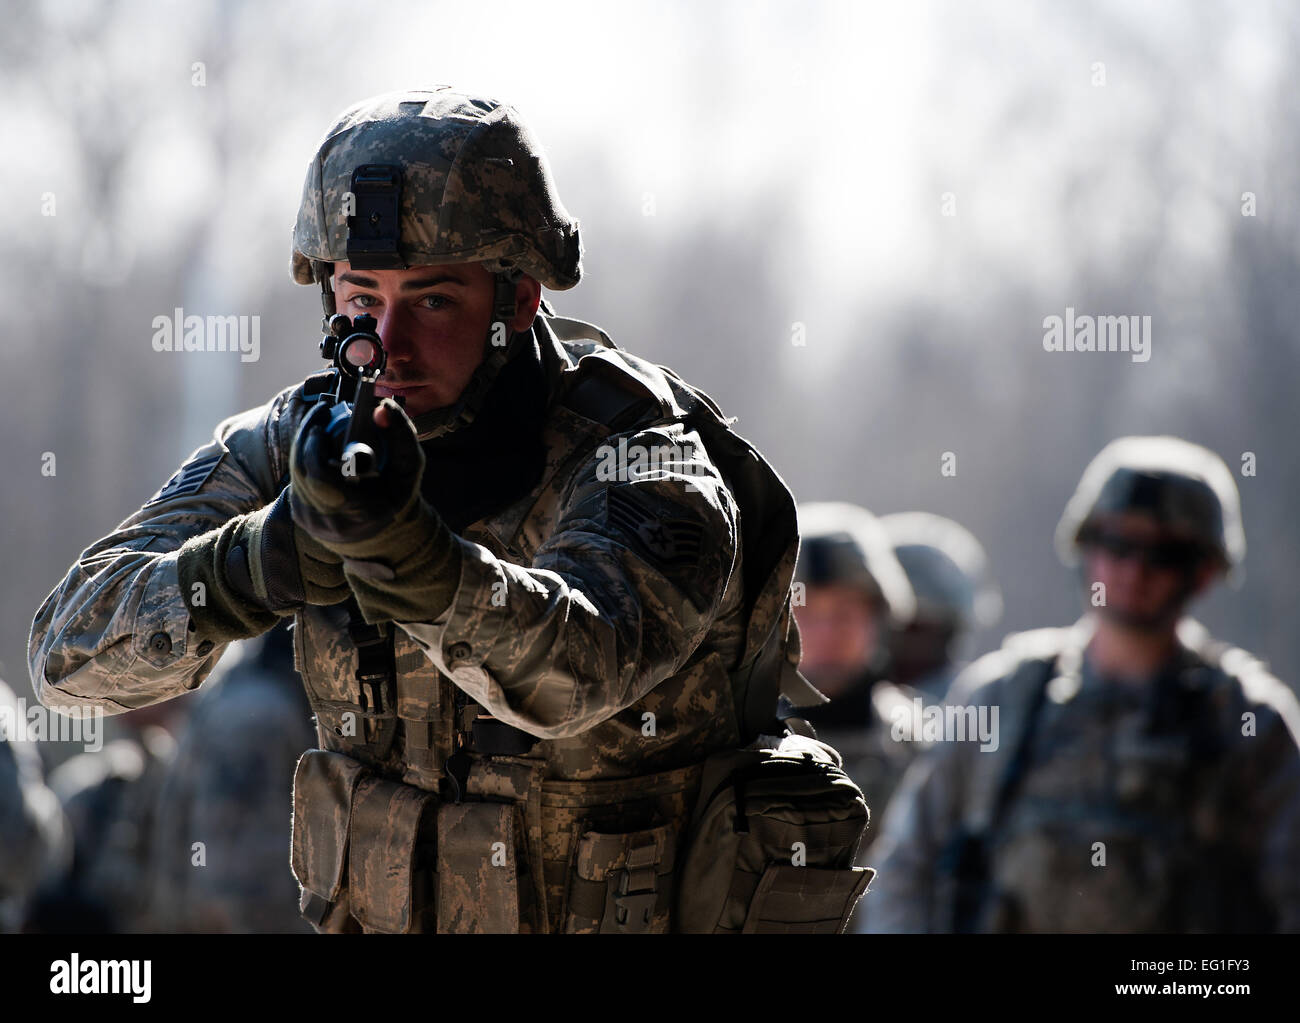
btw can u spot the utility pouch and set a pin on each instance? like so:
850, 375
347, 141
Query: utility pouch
805, 900
772, 842
323, 788
379, 832
622, 884
390, 879
478, 887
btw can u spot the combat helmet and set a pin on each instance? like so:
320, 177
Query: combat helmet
430, 177
433, 176
844, 543
1182, 485
947, 568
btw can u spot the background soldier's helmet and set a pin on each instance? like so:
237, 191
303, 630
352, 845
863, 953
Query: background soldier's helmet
947, 568
843, 543
1184, 486
475, 187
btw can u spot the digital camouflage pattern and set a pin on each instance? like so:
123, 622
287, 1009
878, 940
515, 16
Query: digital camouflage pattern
574, 619
480, 189
1199, 823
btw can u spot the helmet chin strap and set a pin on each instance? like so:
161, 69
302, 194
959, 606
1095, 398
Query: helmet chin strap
329, 306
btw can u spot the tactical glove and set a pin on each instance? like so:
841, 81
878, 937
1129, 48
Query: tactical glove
399, 557
254, 569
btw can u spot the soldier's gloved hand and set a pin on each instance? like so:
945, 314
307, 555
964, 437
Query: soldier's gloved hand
400, 559
254, 569
339, 511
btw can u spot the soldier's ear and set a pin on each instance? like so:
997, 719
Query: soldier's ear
528, 296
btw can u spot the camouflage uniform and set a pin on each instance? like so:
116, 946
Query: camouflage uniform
1200, 824
603, 635
34, 836
231, 787
1169, 803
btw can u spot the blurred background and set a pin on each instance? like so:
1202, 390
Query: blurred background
845, 221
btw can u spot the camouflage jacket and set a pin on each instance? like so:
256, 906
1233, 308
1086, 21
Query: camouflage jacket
1172, 806
608, 614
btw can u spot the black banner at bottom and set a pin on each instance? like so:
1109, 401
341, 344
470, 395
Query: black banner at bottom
648, 975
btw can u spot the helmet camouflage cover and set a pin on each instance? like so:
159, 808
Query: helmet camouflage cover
845, 544
475, 187
1185, 487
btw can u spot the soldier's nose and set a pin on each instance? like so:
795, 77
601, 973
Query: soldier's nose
394, 336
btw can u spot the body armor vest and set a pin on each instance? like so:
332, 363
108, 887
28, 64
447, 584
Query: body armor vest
583, 828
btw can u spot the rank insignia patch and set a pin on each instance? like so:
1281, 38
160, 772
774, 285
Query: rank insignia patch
670, 543
189, 477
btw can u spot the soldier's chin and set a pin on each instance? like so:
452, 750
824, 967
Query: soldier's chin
1146, 622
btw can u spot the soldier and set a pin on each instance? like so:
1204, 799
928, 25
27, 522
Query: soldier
1146, 778
34, 838
230, 788
955, 593
567, 586
110, 797
854, 593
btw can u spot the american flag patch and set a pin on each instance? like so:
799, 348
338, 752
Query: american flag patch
671, 543
189, 477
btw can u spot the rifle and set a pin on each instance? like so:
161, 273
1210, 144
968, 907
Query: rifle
359, 358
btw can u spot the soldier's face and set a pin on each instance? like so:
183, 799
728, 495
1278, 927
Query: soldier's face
434, 322
1148, 572
839, 630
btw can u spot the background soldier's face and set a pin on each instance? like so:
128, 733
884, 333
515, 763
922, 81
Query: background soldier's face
1138, 561
434, 323
839, 630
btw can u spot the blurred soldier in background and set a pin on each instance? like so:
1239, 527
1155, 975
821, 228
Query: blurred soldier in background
1147, 779
110, 797
853, 592
34, 836
955, 594
230, 788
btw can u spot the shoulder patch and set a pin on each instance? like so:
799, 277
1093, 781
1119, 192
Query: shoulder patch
188, 478
675, 544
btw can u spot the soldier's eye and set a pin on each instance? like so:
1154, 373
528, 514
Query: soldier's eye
437, 301
363, 300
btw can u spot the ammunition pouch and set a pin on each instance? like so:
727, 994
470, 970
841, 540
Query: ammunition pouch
522, 854
380, 832
611, 850
622, 884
